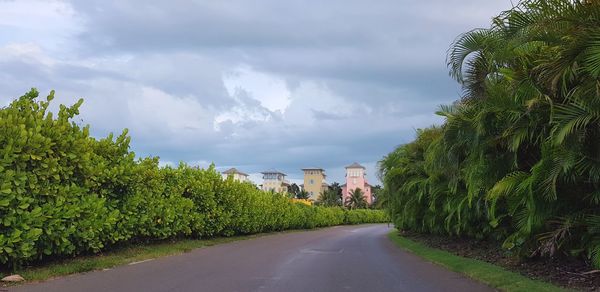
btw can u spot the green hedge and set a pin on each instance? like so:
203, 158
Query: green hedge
360, 216
63, 192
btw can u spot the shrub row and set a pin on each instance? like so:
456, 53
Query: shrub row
63, 192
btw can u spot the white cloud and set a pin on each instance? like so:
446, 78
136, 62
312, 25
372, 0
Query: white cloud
271, 91
49, 24
311, 98
152, 110
26, 52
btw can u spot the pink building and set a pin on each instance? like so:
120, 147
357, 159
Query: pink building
356, 177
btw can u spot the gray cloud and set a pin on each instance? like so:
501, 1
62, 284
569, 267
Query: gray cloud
254, 84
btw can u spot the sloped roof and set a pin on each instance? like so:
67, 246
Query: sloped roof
313, 168
273, 171
233, 171
355, 165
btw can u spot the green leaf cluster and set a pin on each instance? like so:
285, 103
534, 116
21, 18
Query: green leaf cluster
518, 157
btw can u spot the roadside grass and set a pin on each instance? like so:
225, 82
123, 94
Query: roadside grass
492, 275
118, 256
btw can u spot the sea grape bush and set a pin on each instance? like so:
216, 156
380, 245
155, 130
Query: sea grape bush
359, 216
518, 157
63, 192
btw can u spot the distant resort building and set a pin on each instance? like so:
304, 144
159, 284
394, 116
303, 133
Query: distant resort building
314, 182
356, 177
237, 175
274, 180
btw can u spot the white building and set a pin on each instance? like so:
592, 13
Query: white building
237, 175
274, 180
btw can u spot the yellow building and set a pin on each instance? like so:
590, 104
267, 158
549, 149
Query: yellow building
274, 180
314, 182
237, 175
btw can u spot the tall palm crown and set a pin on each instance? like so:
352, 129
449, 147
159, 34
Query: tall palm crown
356, 200
304, 195
330, 198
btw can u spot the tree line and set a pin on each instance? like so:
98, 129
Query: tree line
332, 196
518, 156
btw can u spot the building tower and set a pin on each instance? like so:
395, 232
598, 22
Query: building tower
274, 180
356, 178
314, 182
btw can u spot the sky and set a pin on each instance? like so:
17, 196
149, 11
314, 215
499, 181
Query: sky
255, 85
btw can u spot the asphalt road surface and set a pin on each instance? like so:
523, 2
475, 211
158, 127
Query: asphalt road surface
344, 258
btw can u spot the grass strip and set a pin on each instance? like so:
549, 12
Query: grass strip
492, 275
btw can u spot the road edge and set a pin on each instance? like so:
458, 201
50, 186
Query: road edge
132, 254
494, 276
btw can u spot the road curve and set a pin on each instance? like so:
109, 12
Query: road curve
344, 258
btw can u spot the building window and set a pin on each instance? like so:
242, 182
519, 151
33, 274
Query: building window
312, 181
353, 181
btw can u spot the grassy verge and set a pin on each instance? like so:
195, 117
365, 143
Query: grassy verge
492, 275
119, 256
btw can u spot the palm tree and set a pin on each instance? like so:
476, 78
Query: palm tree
337, 188
356, 200
330, 198
293, 190
531, 90
304, 195
518, 156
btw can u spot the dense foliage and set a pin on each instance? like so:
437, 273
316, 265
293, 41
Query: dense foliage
518, 157
356, 199
330, 198
63, 192
303, 195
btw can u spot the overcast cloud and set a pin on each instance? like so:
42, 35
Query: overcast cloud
251, 84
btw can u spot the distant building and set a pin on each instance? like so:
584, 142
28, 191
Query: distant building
314, 182
274, 180
356, 177
237, 175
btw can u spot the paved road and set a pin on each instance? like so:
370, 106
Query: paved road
346, 258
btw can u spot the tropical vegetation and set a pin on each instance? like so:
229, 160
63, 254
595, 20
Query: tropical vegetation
293, 190
356, 199
303, 195
64, 192
518, 156
330, 198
